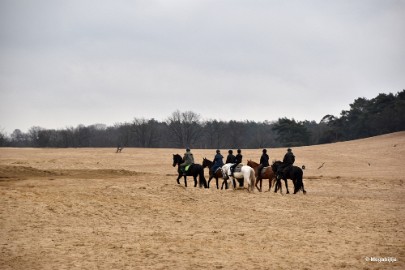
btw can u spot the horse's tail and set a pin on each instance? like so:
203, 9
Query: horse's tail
202, 178
252, 178
299, 183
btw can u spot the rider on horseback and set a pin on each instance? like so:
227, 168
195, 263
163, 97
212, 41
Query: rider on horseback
236, 161
238, 158
264, 162
218, 161
188, 159
230, 158
288, 160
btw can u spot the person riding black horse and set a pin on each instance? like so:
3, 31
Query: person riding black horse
218, 161
288, 161
264, 162
188, 159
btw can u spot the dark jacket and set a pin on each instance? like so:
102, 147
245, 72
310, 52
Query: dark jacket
230, 159
218, 162
289, 158
264, 160
238, 159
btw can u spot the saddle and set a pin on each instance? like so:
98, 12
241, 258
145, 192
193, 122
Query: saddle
264, 169
238, 168
219, 168
185, 169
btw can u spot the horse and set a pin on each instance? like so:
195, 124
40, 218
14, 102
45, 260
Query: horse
246, 173
266, 173
291, 172
217, 174
194, 170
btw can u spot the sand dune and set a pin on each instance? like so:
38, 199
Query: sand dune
96, 209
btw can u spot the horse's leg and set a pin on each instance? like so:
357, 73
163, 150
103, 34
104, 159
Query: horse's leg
303, 190
249, 181
224, 182
257, 182
250, 185
286, 186
233, 182
185, 181
278, 186
178, 179
216, 180
195, 180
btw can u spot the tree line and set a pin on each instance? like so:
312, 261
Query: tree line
380, 115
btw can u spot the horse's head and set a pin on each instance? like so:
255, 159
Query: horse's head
206, 163
177, 159
252, 164
276, 164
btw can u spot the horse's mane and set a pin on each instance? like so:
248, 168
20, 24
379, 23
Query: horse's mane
254, 163
207, 163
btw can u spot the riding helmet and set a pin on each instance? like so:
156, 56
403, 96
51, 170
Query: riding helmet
230, 152
264, 150
239, 151
218, 151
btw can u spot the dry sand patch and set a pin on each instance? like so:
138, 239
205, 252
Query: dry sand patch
93, 208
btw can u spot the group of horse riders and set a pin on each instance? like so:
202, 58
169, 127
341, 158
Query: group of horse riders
288, 161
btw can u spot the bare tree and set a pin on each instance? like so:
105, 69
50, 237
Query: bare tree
3, 137
145, 132
214, 133
184, 127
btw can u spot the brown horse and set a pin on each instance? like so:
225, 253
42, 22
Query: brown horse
267, 173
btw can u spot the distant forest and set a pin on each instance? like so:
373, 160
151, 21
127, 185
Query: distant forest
380, 115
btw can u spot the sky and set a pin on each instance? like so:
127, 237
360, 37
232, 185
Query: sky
65, 63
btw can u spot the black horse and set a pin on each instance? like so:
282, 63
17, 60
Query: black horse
290, 172
194, 170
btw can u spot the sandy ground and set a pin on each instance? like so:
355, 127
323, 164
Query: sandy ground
96, 209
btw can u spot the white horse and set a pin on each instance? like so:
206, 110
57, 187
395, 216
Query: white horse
247, 173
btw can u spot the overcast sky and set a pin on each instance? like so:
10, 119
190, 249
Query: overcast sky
64, 63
